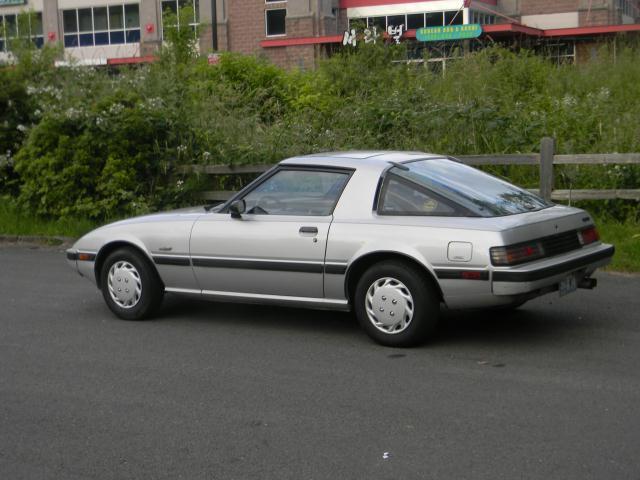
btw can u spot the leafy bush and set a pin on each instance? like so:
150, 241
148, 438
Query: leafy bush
116, 158
105, 144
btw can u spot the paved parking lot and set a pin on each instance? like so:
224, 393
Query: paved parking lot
221, 391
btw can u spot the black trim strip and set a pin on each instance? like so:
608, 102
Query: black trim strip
258, 265
533, 275
335, 269
459, 274
177, 261
72, 255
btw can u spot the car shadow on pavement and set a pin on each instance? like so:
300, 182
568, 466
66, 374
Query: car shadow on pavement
525, 325
489, 327
257, 316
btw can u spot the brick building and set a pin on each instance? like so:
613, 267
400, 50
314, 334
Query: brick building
295, 33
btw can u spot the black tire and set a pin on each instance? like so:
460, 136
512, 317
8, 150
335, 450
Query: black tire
144, 275
424, 302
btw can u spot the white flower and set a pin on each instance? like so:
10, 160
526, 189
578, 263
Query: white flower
569, 101
21, 128
116, 109
73, 113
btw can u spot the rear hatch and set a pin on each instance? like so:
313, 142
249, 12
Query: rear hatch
558, 224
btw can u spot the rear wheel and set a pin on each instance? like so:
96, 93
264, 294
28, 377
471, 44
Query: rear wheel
396, 304
130, 285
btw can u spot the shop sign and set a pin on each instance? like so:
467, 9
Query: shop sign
371, 35
450, 32
12, 2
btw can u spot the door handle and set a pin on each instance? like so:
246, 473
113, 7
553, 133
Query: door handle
309, 230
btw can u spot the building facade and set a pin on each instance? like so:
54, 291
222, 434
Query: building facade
99, 32
296, 33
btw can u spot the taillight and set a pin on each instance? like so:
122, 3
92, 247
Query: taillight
588, 235
515, 254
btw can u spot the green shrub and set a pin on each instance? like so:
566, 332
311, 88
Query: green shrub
105, 143
117, 158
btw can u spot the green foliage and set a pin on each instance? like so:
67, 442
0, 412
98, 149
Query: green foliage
626, 237
15, 220
98, 144
15, 118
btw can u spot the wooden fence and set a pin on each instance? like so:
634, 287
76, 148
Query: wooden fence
546, 160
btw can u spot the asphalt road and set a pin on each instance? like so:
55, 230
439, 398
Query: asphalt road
221, 391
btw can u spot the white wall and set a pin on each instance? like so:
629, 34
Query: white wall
400, 8
552, 20
30, 5
102, 53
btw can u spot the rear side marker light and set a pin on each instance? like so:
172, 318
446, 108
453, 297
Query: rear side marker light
472, 275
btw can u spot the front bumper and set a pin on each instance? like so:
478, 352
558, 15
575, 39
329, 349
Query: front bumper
81, 261
547, 273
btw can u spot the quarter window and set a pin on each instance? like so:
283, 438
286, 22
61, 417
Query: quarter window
400, 197
297, 192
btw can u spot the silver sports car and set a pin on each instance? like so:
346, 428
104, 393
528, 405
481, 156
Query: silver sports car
390, 235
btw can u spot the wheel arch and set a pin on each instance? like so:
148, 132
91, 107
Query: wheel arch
114, 245
357, 268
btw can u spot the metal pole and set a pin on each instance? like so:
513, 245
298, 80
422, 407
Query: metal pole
214, 26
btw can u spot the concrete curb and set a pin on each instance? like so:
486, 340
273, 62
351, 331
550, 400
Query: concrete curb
54, 241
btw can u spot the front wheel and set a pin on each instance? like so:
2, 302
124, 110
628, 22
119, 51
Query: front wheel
396, 304
130, 286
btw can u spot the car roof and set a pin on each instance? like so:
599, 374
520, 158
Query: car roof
375, 159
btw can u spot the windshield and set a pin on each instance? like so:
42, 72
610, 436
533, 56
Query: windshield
480, 193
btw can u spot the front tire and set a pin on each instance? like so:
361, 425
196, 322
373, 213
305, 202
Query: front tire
130, 285
396, 304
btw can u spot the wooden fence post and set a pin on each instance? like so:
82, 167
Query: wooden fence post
547, 151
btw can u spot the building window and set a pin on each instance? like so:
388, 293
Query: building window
560, 53
481, 18
411, 21
453, 18
627, 8
113, 25
275, 22
415, 21
433, 19
173, 6
13, 27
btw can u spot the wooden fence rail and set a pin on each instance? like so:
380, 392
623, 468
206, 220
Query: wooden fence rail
546, 160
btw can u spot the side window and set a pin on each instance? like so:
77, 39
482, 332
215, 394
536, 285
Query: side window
404, 198
297, 192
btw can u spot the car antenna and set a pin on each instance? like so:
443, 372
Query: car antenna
399, 165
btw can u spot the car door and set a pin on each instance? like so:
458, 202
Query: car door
277, 246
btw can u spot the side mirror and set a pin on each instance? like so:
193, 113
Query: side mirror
237, 208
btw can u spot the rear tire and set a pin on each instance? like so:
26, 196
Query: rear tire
396, 304
130, 285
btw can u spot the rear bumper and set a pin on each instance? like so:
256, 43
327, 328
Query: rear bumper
549, 272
